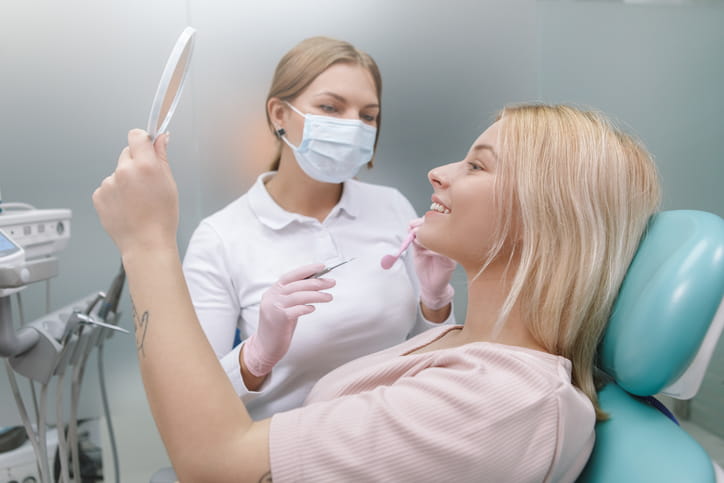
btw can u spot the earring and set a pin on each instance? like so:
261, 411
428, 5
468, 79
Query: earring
281, 132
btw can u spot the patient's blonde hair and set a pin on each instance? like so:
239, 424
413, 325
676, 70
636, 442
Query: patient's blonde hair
576, 194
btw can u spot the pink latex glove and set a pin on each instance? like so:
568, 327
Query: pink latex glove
281, 305
434, 272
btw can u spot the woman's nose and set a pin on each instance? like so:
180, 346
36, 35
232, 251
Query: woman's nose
433, 177
438, 176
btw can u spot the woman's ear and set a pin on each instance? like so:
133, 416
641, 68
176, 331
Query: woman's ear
277, 113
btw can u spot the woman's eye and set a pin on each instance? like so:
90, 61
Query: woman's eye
368, 117
475, 166
327, 108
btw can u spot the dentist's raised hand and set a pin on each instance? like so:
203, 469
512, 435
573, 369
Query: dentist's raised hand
281, 306
434, 272
138, 203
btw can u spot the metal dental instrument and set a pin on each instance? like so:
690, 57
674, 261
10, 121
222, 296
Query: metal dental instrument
87, 319
329, 269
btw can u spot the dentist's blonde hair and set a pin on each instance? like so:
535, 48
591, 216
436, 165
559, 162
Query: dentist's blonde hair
576, 194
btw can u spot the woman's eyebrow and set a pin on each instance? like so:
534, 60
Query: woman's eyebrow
342, 99
331, 94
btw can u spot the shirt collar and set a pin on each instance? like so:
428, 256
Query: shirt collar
275, 217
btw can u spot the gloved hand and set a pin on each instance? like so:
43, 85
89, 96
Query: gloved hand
434, 272
281, 305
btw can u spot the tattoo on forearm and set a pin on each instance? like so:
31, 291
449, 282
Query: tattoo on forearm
141, 325
266, 478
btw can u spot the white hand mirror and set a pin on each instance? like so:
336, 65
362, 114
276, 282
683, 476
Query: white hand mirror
171, 84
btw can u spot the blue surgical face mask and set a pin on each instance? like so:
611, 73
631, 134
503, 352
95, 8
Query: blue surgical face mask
333, 150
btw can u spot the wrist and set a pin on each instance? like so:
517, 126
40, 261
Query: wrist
253, 360
142, 254
145, 262
251, 381
438, 299
436, 316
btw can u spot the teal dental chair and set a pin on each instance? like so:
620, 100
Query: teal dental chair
665, 324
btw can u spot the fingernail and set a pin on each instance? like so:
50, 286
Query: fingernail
168, 136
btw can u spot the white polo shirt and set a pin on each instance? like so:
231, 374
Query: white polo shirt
237, 253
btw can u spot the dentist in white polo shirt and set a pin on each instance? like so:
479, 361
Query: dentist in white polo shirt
324, 106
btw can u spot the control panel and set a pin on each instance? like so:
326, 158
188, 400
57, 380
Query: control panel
39, 232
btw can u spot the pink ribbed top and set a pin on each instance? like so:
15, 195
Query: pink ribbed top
479, 412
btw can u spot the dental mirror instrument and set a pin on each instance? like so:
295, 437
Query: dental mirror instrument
389, 260
171, 84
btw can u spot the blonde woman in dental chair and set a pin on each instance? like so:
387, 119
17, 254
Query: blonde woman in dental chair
544, 214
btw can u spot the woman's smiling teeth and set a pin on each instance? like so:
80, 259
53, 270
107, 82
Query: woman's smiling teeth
439, 208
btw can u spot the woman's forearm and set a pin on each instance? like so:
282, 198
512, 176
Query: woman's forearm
206, 429
195, 408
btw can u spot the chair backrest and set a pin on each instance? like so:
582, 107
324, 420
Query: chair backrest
660, 338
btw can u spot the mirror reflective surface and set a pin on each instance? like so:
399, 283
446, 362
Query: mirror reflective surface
171, 84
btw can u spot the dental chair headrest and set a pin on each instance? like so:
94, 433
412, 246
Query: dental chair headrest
660, 335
